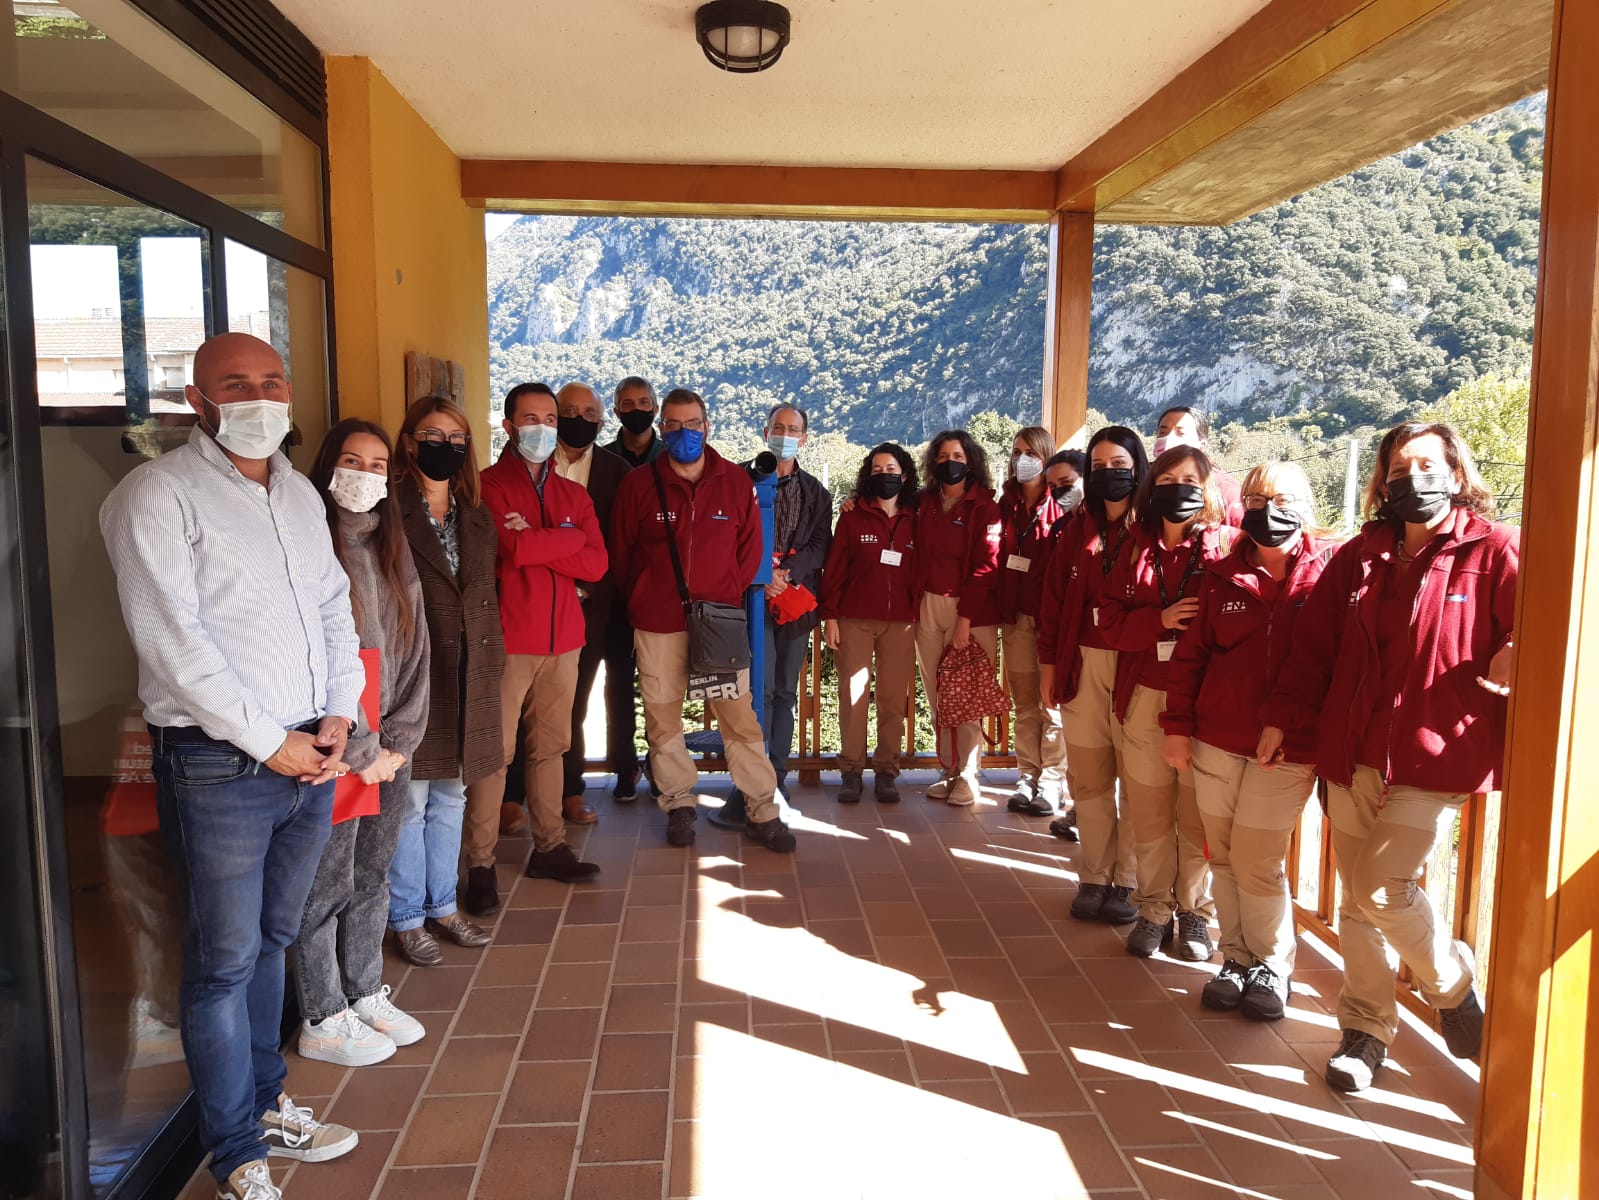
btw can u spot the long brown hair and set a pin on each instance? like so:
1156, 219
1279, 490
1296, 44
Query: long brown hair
466, 489
1210, 513
393, 554
1473, 494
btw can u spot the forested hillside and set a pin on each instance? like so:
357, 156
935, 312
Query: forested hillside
1375, 295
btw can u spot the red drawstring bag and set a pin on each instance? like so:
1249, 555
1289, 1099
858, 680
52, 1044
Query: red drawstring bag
967, 691
351, 797
792, 603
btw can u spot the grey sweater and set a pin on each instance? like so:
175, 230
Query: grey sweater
403, 692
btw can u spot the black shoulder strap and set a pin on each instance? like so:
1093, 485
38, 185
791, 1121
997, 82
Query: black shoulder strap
671, 535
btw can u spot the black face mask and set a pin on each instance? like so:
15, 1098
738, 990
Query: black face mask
1418, 499
950, 472
1110, 483
886, 484
577, 432
1271, 526
440, 461
636, 420
1177, 502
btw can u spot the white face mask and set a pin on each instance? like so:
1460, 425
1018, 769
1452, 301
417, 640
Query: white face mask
1027, 468
535, 442
357, 491
251, 428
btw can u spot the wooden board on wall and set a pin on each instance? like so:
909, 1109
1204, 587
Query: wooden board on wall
429, 376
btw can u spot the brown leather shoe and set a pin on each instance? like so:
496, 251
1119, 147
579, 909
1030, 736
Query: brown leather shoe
418, 948
514, 821
482, 892
576, 812
461, 931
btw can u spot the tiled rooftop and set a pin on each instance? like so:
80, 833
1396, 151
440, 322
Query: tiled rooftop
901, 1009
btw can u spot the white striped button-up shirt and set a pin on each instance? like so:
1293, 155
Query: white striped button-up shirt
237, 607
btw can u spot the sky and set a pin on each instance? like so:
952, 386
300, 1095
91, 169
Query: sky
73, 281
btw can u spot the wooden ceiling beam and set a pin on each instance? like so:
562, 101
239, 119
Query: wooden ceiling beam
828, 193
1288, 46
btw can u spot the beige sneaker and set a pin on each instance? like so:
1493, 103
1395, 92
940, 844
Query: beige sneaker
960, 792
940, 790
291, 1132
252, 1181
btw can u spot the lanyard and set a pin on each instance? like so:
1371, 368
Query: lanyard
1108, 554
1192, 569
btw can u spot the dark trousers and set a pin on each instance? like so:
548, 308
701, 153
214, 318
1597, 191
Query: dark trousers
249, 841
785, 659
616, 652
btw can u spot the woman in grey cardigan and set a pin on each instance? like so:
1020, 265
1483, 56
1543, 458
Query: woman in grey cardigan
348, 1017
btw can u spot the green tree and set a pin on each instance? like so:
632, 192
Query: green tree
1491, 415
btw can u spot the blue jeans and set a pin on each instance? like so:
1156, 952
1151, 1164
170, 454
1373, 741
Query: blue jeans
425, 870
248, 840
785, 658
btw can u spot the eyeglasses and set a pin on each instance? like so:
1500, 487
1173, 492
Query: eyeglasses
693, 425
437, 437
1282, 500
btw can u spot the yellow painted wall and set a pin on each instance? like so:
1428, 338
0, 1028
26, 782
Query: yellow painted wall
409, 257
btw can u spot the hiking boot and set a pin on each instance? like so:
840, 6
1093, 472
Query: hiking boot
1355, 1062
1028, 800
381, 1013
418, 948
1226, 992
559, 863
1193, 938
1265, 994
680, 826
1088, 902
1148, 937
514, 821
849, 792
461, 931
772, 834
291, 1132
344, 1040
482, 892
939, 789
1117, 909
252, 1181
1065, 825
885, 787
1462, 1026
960, 793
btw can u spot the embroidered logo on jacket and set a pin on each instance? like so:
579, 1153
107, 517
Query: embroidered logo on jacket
1234, 606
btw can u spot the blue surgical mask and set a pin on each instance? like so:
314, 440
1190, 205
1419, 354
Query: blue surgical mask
535, 442
784, 445
685, 445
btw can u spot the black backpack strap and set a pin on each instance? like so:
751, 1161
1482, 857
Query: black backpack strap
671, 535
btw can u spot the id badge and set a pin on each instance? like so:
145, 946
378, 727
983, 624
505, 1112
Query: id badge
1164, 650
1017, 563
890, 558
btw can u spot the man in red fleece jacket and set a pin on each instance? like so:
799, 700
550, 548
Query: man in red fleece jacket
549, 539
711, 514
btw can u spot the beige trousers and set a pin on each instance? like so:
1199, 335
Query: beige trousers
933, 634
1039, 744
1093, 738
1382, 843
1168, 835
663, 682
535, 691
1249, 816
893, 645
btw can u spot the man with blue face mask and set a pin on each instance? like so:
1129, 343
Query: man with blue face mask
802, 531
251, 679
549, 540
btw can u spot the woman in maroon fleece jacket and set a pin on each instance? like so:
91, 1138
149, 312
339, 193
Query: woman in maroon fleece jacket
1150, 599
1401, 662
1028, 513
868, 609
1222, 670
1077, 670
957, 560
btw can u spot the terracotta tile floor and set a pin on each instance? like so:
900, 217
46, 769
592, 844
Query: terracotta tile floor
902, 1009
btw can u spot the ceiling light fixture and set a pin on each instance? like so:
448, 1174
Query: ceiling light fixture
742, 36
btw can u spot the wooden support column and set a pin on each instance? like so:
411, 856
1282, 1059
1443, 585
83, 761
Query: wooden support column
1066, 314
1538, 1125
